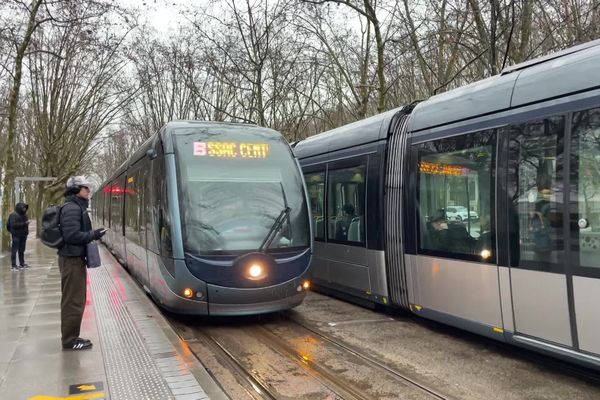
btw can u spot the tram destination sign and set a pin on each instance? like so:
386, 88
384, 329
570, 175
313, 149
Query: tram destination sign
231, 150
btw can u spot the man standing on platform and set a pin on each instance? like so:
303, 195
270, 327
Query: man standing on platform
77, 232
18, 226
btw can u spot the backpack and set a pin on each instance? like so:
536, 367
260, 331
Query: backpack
51, 234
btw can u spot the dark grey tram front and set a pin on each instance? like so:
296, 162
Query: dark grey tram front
211, 218
479, 208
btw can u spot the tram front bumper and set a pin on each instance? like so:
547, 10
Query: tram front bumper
236, 301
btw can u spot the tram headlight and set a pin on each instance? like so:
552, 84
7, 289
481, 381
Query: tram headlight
485, 254
306, 285
256, 271
188, 293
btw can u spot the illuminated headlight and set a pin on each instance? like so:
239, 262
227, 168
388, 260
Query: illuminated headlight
485, 254
256, 271
188, 293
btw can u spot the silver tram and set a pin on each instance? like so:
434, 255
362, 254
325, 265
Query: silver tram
211, 218
478, 208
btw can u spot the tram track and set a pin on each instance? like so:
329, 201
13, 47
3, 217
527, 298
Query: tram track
340, 388
285, 356
331, 375
255, 387
401, 376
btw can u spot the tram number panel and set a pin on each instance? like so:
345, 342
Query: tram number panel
231, 150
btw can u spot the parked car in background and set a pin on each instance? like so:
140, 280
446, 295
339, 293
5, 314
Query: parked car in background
460, 213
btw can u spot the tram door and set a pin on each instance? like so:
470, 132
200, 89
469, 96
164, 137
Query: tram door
554, 229
585, 227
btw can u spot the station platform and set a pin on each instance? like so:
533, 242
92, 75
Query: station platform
136, 354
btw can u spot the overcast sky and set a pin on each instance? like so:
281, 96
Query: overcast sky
161, 14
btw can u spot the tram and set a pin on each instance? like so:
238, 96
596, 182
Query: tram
211, 219
478, 208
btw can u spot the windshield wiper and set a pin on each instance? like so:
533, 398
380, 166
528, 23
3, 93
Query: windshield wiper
274, 229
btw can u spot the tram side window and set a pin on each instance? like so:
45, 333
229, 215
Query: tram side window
456, 196
151, 207
346, 205
143, 192
96, 201
132, 206
106, 205
162, 212
315, 184
102, 217
116, 204
586, 153
100, 208
535, 183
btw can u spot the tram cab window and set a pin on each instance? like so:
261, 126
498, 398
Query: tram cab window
456, 197
315, 184
346, 205
239, 191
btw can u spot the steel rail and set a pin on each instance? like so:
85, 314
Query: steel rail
409, 380
255, 386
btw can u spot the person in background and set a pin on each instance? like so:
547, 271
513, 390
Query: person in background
343, 223
77, 232
18, 226
450, 237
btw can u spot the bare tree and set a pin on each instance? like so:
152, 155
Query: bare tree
75, 94
21, 45
368, 9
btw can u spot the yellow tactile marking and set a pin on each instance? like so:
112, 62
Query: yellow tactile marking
85, 396
86, 388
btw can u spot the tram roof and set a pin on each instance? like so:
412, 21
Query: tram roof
569, 71
170, 127
360, 132
184, 123
165, 134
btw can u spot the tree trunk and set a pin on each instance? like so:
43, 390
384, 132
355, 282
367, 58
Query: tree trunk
493, 26
370, 10
364, 75
38, 207
9, 177
525, 37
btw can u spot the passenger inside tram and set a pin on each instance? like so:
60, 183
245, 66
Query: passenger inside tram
343, 222
485, 235
539, 222
448, 236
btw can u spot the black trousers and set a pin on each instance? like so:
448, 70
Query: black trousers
73, 279
18, 246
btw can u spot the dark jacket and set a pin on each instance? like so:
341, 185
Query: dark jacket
454, 239
17, 221
76, 226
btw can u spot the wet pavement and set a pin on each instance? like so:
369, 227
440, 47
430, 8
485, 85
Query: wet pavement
323, 349
136, 354
296, 356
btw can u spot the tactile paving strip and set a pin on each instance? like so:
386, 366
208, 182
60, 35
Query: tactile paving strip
130, 369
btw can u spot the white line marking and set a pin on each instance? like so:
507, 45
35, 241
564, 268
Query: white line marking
359, 321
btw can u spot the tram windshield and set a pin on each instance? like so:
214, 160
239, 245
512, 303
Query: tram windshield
234, 184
